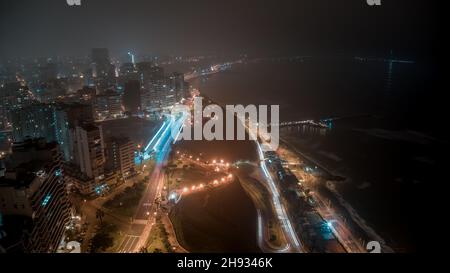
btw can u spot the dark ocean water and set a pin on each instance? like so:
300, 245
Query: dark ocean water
385, 140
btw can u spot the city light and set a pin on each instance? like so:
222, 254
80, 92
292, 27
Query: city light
46, 200
96, 147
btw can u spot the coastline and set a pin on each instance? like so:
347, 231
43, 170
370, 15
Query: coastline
359, 226
340, 202
379, 176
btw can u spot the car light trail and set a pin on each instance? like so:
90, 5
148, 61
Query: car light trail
281, 213
180, 123
154, 137
163, 135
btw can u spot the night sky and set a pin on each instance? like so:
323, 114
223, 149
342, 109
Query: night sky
51, 27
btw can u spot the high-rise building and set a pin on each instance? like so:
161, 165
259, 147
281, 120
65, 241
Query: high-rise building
103, 71
78, 113
63, 132
66, 118
34, 121
54, 122
128, 72
120, 156
132, 97
179, 86
160, 95
148, 72
108, 105
159, 91
33, 187
13, 96
89, 150
153, 81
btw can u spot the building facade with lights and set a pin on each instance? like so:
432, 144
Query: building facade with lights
120, 156
32, 187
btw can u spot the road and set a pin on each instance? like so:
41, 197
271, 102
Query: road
290, 234
264, 237
339, 228
337, 224
213, 69
147, 210
128, 243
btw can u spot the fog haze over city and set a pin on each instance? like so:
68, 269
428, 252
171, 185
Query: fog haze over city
142, 126
216, 27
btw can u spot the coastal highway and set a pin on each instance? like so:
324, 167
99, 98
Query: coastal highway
295, 244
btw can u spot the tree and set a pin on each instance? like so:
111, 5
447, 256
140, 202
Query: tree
157, 250
143, 250
103, 239
99, 215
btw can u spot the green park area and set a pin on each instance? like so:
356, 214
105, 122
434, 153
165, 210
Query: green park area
106, 239
126, 202
158, 241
